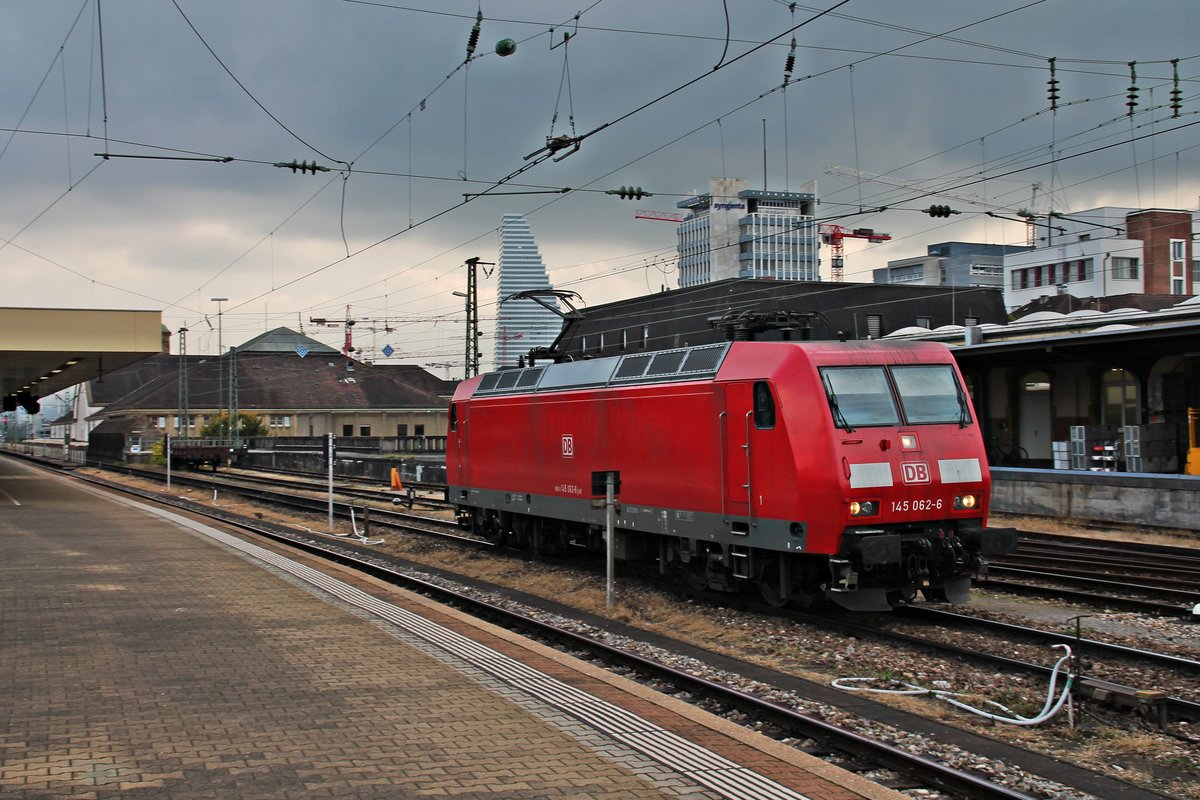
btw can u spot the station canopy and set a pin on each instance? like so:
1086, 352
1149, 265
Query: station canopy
46, 350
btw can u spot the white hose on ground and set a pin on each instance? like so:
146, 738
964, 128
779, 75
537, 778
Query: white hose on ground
362, 536
1049, 710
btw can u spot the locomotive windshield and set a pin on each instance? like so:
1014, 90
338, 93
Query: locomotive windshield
863, 396
859, 396
931, 394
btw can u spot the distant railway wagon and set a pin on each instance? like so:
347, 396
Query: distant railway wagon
850, 470
196, 453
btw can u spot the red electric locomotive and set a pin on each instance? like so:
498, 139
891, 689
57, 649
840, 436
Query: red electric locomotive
853, 470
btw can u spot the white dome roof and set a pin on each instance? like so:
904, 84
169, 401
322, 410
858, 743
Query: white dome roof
1086, 312
911, 330
1041, 316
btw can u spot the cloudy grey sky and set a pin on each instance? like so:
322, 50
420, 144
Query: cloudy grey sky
929, 93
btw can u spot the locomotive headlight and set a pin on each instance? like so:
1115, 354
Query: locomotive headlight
965, 502
863, 508
908, 441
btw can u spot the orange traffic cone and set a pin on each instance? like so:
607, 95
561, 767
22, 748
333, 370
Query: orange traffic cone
396, 479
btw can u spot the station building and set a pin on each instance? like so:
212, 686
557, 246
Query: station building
1032, 380
1042, 375
738, 308
293, 395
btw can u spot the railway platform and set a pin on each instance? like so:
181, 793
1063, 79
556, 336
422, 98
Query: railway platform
144, 654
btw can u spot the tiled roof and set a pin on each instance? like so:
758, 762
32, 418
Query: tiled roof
112, 386
284, 340
276, 381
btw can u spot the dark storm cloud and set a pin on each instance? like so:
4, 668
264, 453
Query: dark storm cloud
345, 82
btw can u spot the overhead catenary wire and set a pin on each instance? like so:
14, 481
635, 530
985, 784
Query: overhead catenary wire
347, 247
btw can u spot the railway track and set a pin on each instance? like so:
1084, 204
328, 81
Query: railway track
1176, 596
1145, 578
1168, 707
835, 743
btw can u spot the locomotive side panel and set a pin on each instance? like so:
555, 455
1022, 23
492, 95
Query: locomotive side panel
543, 448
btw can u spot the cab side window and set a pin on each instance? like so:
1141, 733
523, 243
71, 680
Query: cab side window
764, 406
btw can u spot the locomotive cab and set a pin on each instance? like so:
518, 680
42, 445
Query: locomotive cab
916, 485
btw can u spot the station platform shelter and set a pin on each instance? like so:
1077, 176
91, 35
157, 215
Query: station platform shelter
46, 350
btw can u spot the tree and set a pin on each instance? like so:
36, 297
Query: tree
248, 425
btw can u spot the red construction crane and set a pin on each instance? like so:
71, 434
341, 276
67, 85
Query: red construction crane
833, 235
348, 344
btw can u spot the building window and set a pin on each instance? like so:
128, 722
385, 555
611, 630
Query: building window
925, 322
1178, 249
160, 422
364, 430
418, 430
1126, 268
874, 326
970, 320
347, 430
281, 421
402, 430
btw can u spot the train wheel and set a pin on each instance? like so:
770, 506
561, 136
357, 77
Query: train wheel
490, 528
769, 584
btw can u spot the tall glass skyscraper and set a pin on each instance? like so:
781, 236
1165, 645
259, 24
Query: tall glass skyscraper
521, 325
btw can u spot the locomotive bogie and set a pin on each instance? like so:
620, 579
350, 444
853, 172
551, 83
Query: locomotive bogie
853, 471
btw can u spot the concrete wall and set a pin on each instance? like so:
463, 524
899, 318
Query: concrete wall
1170, 501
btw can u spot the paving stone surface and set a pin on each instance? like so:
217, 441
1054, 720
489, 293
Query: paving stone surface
139, 660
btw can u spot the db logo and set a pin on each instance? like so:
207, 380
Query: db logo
568, 446
914, 472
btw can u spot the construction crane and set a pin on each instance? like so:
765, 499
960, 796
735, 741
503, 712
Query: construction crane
660, 216
1027, 214
348, 323
833, 235
374, 325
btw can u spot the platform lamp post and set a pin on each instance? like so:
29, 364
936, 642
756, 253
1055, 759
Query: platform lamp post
220, 368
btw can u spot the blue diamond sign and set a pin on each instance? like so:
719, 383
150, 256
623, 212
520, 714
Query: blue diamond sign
302, 351
388, 350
